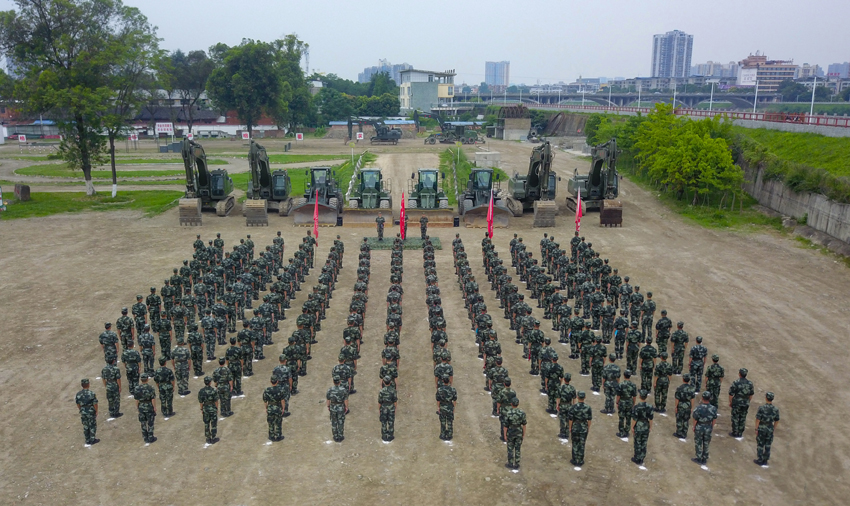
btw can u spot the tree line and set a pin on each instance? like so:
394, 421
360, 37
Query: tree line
93, 66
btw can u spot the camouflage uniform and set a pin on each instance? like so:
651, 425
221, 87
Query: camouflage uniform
181, 357
704, 414
273, 396
626, 392
132, 362
112, 377
208, 398
642, 414
767, 416
740, 391
515, 420
87, 401
164, 379
387, 398
663, 371
145, 396
446, 396
683, 395
580, 414
336, 396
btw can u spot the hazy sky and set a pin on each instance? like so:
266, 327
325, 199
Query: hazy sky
549, 40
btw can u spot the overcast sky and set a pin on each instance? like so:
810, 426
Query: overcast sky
546, 40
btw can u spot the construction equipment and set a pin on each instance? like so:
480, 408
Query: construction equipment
323, 186
601, 183
383, 132
426, 196
266, 189
449, 133
475, 200
535, 190
205, 189
371, 194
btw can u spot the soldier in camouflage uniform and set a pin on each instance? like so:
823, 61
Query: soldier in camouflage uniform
642, 415
272, 397
208, 401
626, 393
164, 379
154, 305
148, 346
514, 432
598, 352
662, 331
704, 417
210, 327
132, 362
647, 356
683, 395
224, 386
663, 371
647, 316
283, 374
387, 403
196, 349
740, 393
109, 343
164, 329
696, 364
679, 339
713, 378
337, 403
566, 396
633, 341
87, 406
620, 332
446, 401
580, 416
180, 361
178, 318
767, 418
111, 377
126, 329
611, 378
145, 396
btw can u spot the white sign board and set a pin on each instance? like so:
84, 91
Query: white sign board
359, 136
190, 136
747, 77
246, 136
165, 128
299, 137
22, 138
134, 137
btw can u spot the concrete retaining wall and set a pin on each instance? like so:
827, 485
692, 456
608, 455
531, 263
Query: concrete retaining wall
488, 159
824, 215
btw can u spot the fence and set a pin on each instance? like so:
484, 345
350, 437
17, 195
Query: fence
354, 174
454, 178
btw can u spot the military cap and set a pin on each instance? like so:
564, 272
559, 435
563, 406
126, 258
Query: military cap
107, 325
628, 373
612, 357
634, 323
138, 297
626, 278
699, 339
547, 340
164, 312
581, 394
256, 311
180, 340
445, 377
347, 338
649, 294
291, 340
706, 395
769, 396
145, 376
507, 381
123, 309
147, 326
568, 376
643, 393
663, 311
663, 354
514, 401
153, 289
680, 324
207, 380
84, 381
715, 357
161, 360
743, 372
686, 377
387, 379
220, 360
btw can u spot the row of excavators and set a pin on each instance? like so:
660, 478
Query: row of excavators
371, 193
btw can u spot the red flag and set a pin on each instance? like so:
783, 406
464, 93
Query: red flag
578, 211
316, 217
490, 216
401, 217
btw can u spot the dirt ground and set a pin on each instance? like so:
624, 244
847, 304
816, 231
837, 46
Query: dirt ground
759, 300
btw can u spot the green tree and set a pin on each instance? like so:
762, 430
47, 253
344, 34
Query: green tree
186, 76
335, 105
69, 52
822, 94
483, 89
380, 84
248, 79
793, 92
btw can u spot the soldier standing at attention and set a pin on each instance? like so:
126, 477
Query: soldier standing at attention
566, 397
642, 415
580, 417
87, 405
713, 378
145, 396
132, 362
164, 379
647, 364
704, 418
148, 345
180, 361
684, 394
679, 340
696, 363
109, 343
423, 226
126, 329
196, 349
111, 376
515, 422
140, 314
337, 403
208, 400
740, 394
662, 331
663, 371
446, 402
626, 392
272, 397
767, 418
224, 386
380, 224
387, 403
611, 378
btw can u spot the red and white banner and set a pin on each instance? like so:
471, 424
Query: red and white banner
246, 136
401, 217
299, 137
316, 217
490, 216
359, 136
165, 128
578, 211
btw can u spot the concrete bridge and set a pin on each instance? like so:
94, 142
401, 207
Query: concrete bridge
688, 100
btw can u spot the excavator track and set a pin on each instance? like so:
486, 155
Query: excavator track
545, 212
256, 213
225, 206
513, 205
189, 212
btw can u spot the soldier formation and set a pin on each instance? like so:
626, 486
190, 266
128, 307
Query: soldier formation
220, 288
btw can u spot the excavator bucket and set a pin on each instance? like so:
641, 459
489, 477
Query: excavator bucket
303, 215
476, 217
190, 212
364, 217
256, 213
545, 212
440, 218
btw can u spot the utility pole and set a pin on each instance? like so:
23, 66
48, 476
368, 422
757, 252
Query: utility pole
812, 108
711, 98
756, 101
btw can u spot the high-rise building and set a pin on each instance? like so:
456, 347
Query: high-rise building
497, 73
715, 69
383, 66
767, 74
839, 70
671, 54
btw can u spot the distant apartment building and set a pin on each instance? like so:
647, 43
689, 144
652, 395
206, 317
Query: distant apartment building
424, 89
383, 66
839, 70
715, 69
807, 71
767, 74
671, 54
497, 73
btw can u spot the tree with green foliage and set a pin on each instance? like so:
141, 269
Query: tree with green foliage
185, 75
70, 52
483, 89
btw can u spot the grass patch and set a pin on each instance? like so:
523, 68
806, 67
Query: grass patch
464, 169
409, 243
150, 203
818, 151
289, 158
55, 170
807, 243
709, 215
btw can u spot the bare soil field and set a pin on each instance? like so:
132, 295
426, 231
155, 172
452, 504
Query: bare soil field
758, 299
